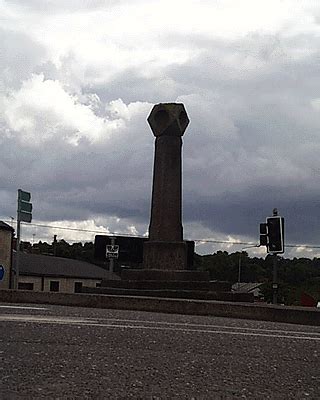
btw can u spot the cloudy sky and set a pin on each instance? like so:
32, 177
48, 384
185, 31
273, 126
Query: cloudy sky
78, 79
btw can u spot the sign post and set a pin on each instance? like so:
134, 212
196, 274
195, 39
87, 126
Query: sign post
112, 253
24, 214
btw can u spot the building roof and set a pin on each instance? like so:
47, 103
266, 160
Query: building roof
40, 265
246, 286
5, 227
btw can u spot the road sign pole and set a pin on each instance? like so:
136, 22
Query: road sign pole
24, 213
16, 278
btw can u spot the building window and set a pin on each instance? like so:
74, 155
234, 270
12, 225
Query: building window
98, 284
54, 286
77, 287
25, 285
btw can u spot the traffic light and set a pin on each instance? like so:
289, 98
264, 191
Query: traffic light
272, 234
24, 206
275, 228
263, 234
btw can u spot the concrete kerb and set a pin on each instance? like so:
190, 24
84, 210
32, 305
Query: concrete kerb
292, 315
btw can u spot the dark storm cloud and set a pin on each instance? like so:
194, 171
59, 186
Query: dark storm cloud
259, 145
241, 213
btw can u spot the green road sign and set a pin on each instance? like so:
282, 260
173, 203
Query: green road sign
24, 196
25, 217
24, 206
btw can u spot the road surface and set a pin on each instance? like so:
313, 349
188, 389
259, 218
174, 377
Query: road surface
66, 352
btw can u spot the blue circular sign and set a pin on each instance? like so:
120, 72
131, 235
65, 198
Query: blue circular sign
1, 272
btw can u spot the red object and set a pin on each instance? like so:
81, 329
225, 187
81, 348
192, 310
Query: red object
307, 300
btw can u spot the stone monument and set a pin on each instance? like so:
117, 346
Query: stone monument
165, 268
166, 249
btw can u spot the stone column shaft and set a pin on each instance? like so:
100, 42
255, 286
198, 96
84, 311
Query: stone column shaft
166, 249
165, 222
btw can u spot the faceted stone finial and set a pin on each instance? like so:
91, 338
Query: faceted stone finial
168, 119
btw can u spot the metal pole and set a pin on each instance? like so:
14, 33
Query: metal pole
275, 270
239, 270
16, 280
275, 280
111, 264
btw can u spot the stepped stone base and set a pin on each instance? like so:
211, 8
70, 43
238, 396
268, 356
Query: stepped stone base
163, 275
168, 285
181, 284
182, 294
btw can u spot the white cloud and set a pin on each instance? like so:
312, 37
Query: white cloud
77, 231
42, 109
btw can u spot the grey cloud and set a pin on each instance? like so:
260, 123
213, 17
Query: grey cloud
269, 160
241, 213
131, 85
19, 56
111, 177
59, 5
62, 6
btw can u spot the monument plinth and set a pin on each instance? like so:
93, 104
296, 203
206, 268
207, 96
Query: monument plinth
166, 249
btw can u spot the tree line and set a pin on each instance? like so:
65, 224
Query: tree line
61, 248
295, 276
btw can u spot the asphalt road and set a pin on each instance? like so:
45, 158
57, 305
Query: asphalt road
63, 352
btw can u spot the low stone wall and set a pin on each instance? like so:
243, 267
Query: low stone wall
293, 315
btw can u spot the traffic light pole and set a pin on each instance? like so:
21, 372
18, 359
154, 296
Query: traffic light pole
272, 236
275, 280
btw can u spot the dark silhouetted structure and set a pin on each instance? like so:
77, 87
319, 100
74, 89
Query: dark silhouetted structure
166, 249
166, 268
